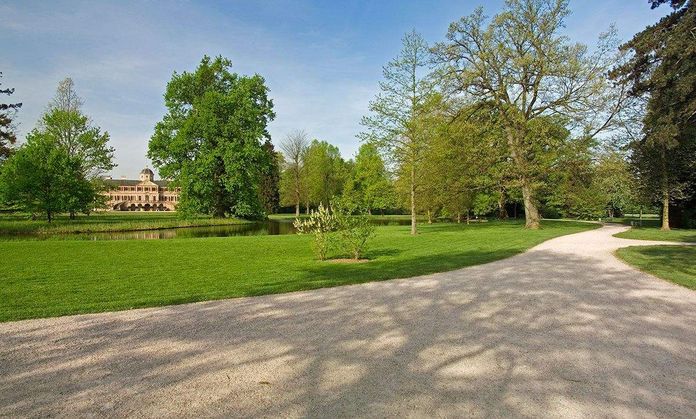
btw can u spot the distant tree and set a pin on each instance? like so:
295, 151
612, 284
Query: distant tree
39, 177
7, 131
394, 124
662, 68
85, 143
519, 64
370, 180
210, 142
325, 172
270, 179
293, 187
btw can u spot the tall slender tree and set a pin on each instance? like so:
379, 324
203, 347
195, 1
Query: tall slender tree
395, 123
294, 148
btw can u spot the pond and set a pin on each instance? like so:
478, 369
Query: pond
269, 227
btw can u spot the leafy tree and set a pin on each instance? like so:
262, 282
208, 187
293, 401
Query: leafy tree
520, 65
325, 172
210, 142
293, 183
86, 144
395, 124
370, 180
7, 132
662, 68
40, 176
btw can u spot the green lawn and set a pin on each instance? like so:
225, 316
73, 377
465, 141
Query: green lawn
648, 233
51, 278
673, 263
19, 224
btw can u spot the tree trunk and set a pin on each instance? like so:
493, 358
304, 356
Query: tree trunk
459, 218
531, 213
665, 194
430, 217
502, 212
49, 215
307, 208
413, 200
468, 219
665, 210
72, 215
297, 209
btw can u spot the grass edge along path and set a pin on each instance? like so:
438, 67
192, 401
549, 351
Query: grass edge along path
671, 263
54, 278
654, 233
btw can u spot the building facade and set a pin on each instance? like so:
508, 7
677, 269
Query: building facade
145, 194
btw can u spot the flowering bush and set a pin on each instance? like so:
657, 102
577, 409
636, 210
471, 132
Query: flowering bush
322, 224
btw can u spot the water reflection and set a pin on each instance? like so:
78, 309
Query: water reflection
270, 227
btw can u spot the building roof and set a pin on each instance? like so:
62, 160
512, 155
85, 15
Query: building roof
147, 171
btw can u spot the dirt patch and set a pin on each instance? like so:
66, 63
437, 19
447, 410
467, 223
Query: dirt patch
344, 260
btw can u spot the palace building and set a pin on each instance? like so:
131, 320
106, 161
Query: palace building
145, 194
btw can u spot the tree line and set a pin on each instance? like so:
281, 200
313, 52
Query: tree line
504, 116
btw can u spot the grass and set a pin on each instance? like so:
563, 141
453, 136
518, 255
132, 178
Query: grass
654, 233
672, 263
52, 278
21, 224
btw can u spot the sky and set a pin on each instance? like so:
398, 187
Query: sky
322, 60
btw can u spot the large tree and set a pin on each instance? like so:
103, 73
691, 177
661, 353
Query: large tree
7, 131
210, 142
662, 68
519, 64
293, 183
395, 122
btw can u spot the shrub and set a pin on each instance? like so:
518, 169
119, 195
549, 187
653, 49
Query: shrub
354, 227
321, 223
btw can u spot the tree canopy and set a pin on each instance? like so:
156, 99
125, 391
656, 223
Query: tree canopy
210, 142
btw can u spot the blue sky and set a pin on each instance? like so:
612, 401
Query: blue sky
321, 59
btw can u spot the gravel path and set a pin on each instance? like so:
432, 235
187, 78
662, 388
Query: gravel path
565, 330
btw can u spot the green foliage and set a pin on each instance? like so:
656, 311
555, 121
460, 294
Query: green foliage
38, 176
321, 224
59, 167
270, 179
520, 65
370, 184
325, 172
353, 225
662, 70
396, 123
210, 141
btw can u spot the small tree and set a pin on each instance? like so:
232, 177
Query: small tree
38, 176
